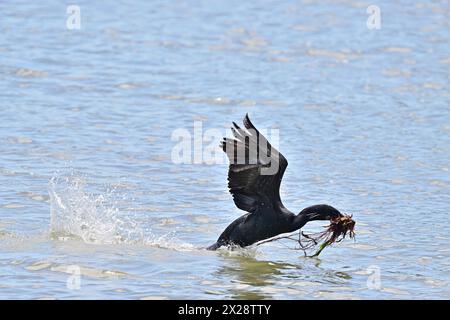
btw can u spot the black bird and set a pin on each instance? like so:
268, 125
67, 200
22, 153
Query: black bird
254, 177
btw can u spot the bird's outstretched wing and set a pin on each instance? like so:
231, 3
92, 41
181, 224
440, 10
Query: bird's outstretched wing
256, 168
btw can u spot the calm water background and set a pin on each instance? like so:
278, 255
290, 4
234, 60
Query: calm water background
86, 176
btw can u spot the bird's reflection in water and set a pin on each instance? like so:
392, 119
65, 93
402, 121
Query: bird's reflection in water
251, 275
251, 278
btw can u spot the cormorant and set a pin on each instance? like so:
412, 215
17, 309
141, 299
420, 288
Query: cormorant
254, 177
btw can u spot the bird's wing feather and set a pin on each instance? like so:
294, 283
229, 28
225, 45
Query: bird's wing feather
256, 168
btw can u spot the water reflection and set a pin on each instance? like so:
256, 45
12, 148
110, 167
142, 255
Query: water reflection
251, 275
252, 278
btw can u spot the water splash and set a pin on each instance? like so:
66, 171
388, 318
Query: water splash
96, 218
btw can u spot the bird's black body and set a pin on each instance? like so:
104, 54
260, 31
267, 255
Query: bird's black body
254, 177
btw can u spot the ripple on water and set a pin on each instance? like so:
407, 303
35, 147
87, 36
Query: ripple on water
341, 56
397, 50
90, 272
39, 265
29, 73
13, 206
35, 196
70, 269
20, 140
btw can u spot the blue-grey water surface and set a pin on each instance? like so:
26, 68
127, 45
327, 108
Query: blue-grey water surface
87, 181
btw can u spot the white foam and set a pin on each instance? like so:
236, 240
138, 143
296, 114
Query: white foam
96, 219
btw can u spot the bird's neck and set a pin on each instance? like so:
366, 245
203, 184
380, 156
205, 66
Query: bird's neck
305, 216
299, 221
310, 210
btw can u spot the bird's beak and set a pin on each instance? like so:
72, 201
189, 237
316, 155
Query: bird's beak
314, 215
332, 217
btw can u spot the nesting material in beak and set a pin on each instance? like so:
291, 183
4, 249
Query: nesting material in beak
336, 231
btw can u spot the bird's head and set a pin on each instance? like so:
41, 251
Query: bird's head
320, 212
316, 212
